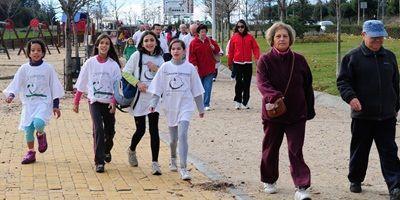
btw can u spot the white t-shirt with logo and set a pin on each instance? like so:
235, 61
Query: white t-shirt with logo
178, 85
97, 79
37, 87
146, 77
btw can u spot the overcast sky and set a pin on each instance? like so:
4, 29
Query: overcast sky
136, 7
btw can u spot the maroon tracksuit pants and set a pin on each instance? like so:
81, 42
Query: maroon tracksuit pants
270, 152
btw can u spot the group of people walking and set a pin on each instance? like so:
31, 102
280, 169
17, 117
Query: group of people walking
176, 76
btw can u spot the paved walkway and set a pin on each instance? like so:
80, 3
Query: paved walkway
65, 170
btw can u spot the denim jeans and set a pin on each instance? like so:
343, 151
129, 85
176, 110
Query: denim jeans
207, 82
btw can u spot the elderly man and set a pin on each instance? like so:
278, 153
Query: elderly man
182, 32
369, 82
189, 37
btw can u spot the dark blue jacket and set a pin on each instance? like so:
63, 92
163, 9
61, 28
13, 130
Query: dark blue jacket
373, 78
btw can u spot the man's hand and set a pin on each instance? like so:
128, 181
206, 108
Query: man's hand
112, 108
142, 87
57, 112
355, 104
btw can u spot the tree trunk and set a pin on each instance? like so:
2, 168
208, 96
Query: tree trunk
68, 51
229, 25
76, 41
282, 7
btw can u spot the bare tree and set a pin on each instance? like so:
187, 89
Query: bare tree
98, 9
115, 7
70, 8
282, 9
224, 9
10, 8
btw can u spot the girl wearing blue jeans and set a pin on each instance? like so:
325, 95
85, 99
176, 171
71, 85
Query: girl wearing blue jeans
39, 89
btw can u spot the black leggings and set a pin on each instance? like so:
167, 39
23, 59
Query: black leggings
153, 129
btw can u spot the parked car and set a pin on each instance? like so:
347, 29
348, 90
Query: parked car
324, 24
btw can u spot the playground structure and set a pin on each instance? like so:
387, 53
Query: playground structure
8, 25
36, 25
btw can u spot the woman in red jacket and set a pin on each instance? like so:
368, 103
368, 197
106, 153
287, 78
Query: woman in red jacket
241, 48
201, 55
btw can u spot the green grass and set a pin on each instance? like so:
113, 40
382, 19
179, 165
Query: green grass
21, 34
321, 58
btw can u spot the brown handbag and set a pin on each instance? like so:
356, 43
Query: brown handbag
278, 108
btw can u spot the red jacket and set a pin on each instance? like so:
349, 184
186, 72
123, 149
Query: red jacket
241, 47
202, 56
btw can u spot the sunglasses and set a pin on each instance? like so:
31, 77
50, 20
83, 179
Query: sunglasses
240, 26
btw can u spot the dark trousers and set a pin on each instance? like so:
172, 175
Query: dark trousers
103, 130
383, 133
270, 152
153, 129
233, 73
243, 81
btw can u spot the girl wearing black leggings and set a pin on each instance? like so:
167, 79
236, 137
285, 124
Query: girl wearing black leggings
139, 71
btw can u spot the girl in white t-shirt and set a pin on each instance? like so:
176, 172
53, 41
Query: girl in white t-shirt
178, 82
97, 77
39, 89
150, 53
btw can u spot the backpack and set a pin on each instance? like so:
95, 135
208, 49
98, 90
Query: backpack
130, 93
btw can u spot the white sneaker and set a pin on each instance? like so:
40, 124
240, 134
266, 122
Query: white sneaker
245, 106
155, 168
302, 194
207, 108
132, 157
172, 165
270, 188
237, 105
185, 175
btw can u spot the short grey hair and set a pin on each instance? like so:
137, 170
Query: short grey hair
275, 27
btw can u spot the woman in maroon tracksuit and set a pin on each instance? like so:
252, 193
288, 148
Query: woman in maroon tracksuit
273, 72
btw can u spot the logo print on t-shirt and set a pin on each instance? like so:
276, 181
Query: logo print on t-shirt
97, 87
32, 88
149, 75
176, 83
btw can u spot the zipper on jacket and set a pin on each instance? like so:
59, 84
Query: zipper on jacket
379, 86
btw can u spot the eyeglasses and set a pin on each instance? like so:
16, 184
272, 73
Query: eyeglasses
240, 26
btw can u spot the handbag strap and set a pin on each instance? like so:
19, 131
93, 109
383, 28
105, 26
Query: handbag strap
140, 74
290, 76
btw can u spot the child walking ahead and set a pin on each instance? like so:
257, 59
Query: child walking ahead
179, 83
39, 89
130, 48
98, 75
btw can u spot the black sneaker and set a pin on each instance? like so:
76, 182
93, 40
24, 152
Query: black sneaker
395, 194
355, 187
108, 157
100, 168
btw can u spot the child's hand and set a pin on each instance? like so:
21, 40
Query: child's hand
56, 112
9, 99
201, 115
142, 87
153, 67
112, 108
76, 108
